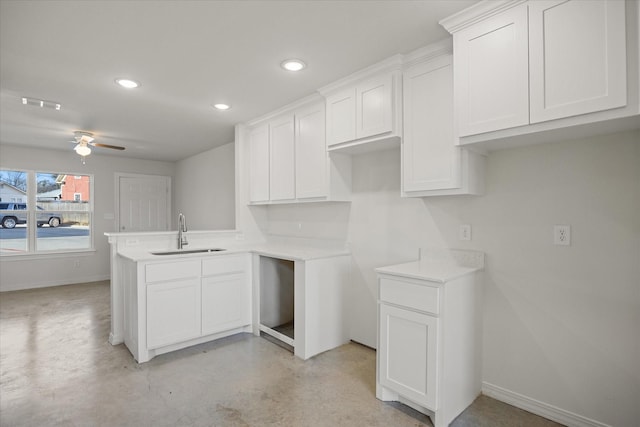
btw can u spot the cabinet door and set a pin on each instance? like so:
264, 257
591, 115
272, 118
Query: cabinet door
173, 312
341, 117
282, 159
225, 303
374, 106
491, 73
577, 57
430, 158
311, 153
259, 164
408, 354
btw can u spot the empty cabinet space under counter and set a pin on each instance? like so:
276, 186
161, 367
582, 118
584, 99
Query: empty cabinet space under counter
429, 332
302, 302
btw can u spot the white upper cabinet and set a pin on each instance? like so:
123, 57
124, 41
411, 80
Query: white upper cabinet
374, 108
311, 152
544, 69
492, 66
577, 57
259, 164
282, 159
432, 162
289, 162
341, 117
364, 110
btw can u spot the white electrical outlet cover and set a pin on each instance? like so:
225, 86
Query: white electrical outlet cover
562, 235
465, 232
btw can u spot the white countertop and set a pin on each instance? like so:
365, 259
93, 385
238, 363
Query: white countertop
293, 252
424, 270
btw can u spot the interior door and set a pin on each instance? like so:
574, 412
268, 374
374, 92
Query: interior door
144, 203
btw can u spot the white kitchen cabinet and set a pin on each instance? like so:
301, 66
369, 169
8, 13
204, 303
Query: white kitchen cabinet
536, 71
432, 162
364, 110
258, 148
298, 165
374, 106
577, 57
173, 312
282, 159
311, 157
429, 335
491, 73
225, 294
407, 353
176, 303
341, 117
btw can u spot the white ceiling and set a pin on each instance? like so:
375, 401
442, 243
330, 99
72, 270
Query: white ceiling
188, 55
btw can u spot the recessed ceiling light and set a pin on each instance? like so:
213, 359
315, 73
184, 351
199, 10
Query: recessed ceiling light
222, 106
293, 65
128, 83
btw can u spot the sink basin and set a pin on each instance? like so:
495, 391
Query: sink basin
188, 251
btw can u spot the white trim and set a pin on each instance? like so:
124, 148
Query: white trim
539, 408
62, 282
392, 63
476, 13
427, 53
304, 102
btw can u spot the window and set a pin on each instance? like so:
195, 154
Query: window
60, 205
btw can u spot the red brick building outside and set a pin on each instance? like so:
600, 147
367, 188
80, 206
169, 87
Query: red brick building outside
74, 187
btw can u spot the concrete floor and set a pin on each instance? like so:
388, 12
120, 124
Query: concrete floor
57, 369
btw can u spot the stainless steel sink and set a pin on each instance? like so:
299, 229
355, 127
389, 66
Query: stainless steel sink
188, 251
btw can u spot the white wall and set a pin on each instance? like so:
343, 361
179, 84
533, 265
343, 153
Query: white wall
31, 272
204, 189
562, 324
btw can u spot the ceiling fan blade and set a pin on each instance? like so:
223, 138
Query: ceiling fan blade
113, 147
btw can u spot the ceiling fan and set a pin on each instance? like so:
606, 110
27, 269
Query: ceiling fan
84, 139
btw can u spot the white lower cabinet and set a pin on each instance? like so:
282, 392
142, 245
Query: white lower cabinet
174, 304
173, 312
407, 352
224, 302
429, 331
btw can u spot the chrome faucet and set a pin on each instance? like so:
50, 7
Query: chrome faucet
182, 228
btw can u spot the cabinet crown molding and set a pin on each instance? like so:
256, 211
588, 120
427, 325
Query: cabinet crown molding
478, 12
289, 108
426, 53
390, 64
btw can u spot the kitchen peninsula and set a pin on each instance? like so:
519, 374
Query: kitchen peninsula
171, 299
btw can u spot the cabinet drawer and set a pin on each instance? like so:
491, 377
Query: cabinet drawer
224, 265
411, 295
172, 270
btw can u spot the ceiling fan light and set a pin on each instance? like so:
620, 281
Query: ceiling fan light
82, 149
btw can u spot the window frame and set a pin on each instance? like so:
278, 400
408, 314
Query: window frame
32, 210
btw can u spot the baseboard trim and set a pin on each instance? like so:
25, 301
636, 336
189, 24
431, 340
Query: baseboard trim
534, 406
48, 284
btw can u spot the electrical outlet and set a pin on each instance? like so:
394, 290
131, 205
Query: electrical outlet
76, 263
465, 232
562, 235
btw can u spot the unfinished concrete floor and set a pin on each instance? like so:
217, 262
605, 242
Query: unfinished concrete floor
57, 369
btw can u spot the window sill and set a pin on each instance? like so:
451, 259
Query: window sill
46, 255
